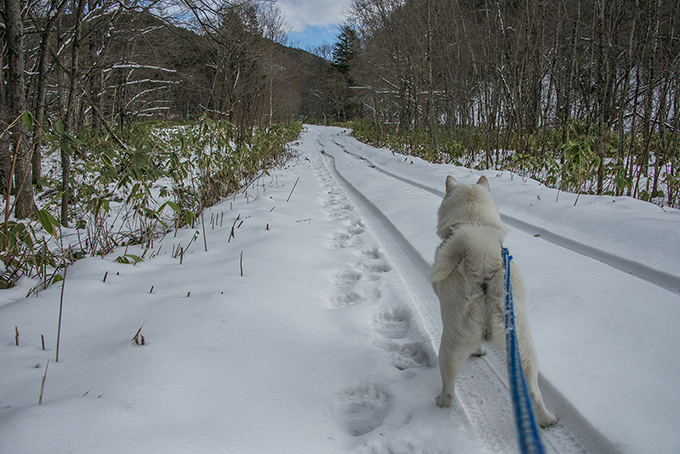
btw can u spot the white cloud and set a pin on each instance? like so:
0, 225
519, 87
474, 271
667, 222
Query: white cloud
301, 14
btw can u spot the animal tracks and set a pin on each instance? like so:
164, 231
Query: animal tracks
360, 410
409, 355
401, 340
355, 281
350, 298
347, 277
392, 323
372, 252
375, 267
365, 281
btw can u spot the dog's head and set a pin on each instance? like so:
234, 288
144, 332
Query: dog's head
467, 204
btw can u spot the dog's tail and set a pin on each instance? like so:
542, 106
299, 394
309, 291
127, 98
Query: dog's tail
475, 248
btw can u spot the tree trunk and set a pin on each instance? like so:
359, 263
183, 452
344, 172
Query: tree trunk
96, 78
71, 110
5, 154
56, 11
25, 205
430, 82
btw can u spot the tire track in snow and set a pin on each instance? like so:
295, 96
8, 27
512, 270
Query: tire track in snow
659, 278
482, 390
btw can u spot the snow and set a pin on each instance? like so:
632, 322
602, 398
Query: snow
327, 342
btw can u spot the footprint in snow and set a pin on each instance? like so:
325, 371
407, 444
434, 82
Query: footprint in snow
372, 252
405, 349
342, 235
409, 355
343, 239
350, 298
375, 267
356, 228
346, 277
347, 236
337, 203
360, 410
393, 323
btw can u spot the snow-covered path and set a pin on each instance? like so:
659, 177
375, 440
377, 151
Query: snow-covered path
606, 340
327, 342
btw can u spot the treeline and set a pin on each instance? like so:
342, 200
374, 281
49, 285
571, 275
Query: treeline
74, 67
589, 84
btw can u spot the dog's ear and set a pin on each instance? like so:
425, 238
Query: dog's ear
484, 182
450, 183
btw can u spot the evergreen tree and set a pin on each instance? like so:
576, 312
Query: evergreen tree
345, 50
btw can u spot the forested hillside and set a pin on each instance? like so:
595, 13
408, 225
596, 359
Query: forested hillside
120, 121
86, 66
581, 94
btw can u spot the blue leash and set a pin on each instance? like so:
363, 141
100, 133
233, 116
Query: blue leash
529, 440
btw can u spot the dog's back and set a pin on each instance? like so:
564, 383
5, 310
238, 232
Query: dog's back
467, 275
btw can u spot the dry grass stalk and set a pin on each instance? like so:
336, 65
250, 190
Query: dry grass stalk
61, 307
42, 386
291, 191
205, 239
139, 338
157, 252
233, 228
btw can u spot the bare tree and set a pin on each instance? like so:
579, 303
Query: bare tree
53, 15
529, 75
16, 105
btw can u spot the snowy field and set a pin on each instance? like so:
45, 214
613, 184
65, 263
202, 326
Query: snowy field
314, 330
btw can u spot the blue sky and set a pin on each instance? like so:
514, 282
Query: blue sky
313, 22
313, 36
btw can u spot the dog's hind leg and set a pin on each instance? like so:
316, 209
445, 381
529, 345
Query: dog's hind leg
452, 356
530, 366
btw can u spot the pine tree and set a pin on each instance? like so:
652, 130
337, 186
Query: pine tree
345, 50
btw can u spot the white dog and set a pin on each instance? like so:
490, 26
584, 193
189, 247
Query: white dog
468, 278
